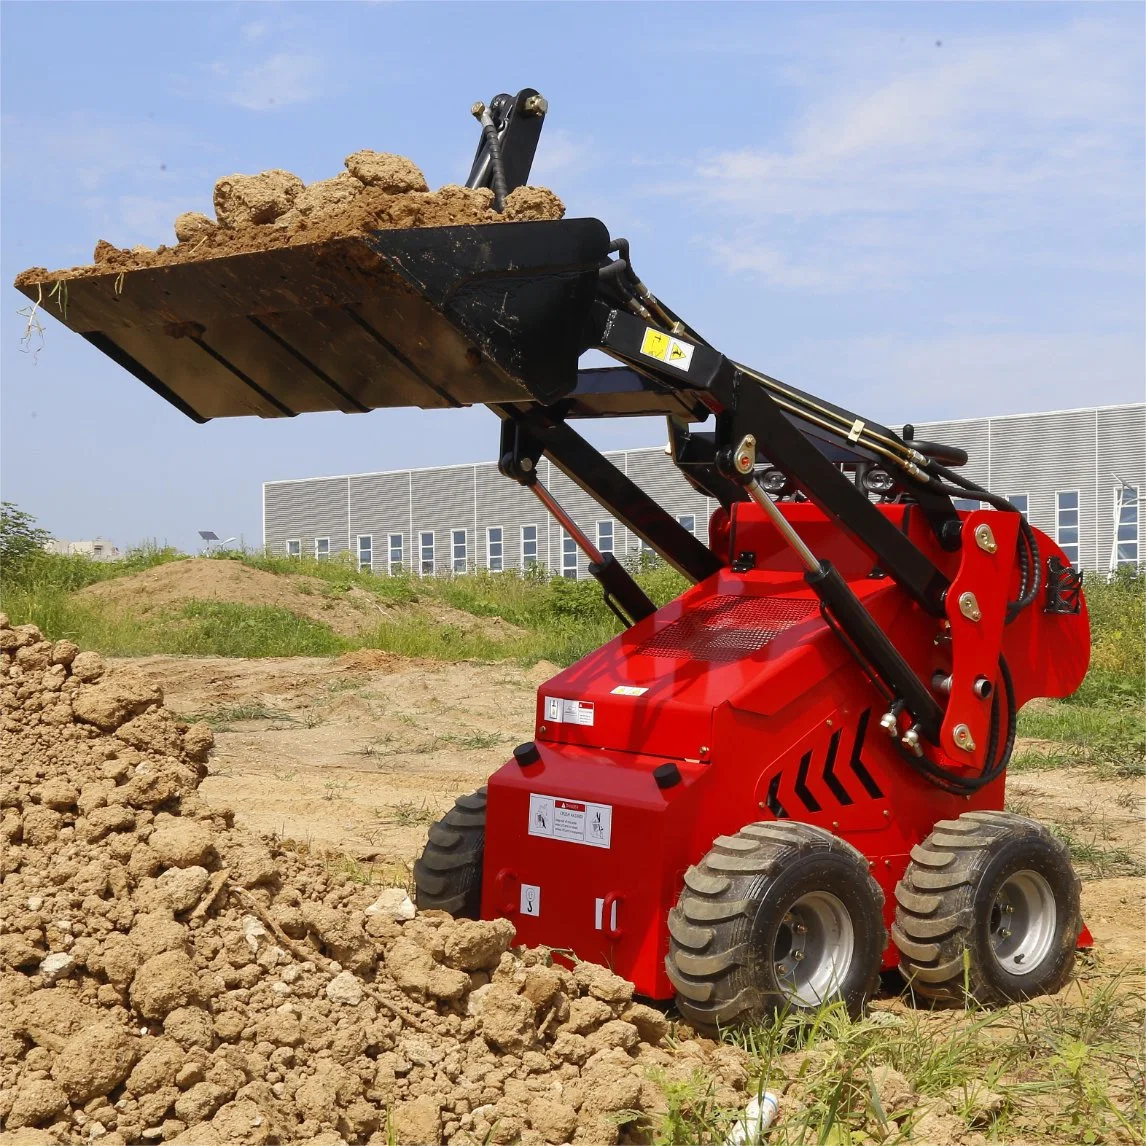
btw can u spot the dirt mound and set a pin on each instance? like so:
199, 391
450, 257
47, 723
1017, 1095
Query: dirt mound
276, 209
170, 977
169, 587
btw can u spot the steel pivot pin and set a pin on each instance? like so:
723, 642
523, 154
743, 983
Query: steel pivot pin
985, 539
969, 606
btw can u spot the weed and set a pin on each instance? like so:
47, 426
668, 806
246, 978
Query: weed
407, 814
333, 789
220, 718
1094, 859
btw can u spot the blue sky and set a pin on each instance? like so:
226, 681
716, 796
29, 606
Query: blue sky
916, 210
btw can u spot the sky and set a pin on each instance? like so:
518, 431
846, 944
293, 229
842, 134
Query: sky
918, 211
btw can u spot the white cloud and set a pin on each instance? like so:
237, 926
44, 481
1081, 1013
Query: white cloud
129, 179
282, 79
560, 154
986, 141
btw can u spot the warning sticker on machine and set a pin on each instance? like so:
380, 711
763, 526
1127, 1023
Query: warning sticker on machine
663, 347
628, 690
572, 820
558, 711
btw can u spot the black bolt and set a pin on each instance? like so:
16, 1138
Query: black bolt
666, 775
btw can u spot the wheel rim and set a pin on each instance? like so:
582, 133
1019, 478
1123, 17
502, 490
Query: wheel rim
814, 949
1022, 924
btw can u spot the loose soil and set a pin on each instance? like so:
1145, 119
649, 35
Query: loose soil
164, 589
167, 975
275, 209
355, 755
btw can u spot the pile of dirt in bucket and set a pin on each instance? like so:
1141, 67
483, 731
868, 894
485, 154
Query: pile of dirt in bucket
167, 977
277, 209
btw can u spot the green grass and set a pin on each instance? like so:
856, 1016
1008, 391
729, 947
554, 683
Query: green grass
559, 620
1067, 1069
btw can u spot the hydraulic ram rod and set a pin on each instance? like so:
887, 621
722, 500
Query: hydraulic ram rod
622, 594
845, 607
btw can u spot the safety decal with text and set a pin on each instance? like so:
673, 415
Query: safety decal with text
559, 711
629, 690
574, 820
663, 347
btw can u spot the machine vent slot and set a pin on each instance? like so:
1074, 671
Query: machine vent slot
728, 627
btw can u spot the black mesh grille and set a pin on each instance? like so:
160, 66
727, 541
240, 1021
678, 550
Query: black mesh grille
726, 628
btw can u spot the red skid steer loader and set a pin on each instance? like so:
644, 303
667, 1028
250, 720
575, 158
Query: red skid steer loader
786, 780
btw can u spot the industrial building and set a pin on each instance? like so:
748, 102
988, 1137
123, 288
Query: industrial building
1077, 474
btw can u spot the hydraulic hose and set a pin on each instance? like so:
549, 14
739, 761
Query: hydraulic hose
496, 166
1030, 565
966, 785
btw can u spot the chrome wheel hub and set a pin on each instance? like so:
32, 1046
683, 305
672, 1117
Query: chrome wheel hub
814, 949
1021, 929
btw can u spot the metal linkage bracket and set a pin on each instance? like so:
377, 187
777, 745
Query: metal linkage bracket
976, 611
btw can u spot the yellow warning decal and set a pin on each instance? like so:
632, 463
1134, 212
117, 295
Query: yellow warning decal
664, 348
655, 344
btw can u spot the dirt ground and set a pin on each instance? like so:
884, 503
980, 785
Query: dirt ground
358, 755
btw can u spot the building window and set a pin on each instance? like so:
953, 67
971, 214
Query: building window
528, 546
321, 548
458, 550
426, 545
966, 504
1020, 501
495, 548
394, 557
1126, 525
605, 536
294, 547
688, 521
365, 553
568, 557
1066, 523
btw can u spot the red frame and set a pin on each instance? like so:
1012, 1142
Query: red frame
791, 727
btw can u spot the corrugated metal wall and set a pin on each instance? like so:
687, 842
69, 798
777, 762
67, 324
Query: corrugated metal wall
304, 510
1033, 454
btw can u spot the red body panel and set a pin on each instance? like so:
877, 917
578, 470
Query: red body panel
741, 684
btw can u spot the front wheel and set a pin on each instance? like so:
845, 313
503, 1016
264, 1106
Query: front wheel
988, 907
780, 916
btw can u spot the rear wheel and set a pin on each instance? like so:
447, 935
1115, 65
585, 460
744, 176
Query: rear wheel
447, 876
988, 907
780, 916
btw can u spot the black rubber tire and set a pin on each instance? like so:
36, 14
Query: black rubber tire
945, 902
724, 928
447, 875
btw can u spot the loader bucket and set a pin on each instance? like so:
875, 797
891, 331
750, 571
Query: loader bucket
429, 317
